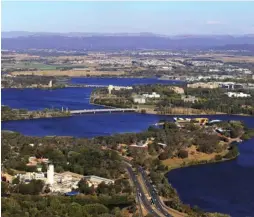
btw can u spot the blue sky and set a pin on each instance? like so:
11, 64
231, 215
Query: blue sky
113, 17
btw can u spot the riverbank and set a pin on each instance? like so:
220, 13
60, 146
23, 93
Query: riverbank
180, 111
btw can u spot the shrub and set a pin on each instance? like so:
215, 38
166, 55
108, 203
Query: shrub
143, 111
183, 154
218, 157
233, 152
163, 155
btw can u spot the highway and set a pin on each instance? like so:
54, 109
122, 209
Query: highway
140, 194
157, 202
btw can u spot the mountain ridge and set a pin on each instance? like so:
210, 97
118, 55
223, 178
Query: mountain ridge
122, 42
14, 34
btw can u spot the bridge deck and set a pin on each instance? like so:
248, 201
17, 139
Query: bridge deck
101, 110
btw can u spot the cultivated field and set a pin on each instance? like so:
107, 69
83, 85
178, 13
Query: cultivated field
228, 58
70, 73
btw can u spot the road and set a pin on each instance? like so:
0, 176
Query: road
140, 194
157, 202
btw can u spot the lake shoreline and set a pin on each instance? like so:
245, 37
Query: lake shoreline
197, 163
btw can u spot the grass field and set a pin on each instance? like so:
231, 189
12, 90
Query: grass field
228, 58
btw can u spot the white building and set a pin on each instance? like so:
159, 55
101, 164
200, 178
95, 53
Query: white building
153, 95
27, 177
139, 99
96, 180
140, 144
65, 182
238, 95
111, 87
50, 175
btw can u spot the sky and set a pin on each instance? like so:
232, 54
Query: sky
168, 18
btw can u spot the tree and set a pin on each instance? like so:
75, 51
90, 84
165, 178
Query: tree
233, 152
183, 154
163, 155
15, 181
5, 188
84, 187
34, 187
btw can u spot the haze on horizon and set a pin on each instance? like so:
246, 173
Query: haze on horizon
167, 18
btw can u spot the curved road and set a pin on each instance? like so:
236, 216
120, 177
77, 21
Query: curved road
140, 193
152, 192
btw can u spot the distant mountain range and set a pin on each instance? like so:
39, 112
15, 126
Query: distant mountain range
120, 41
15, 34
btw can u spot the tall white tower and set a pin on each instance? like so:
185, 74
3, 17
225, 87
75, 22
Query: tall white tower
50, 83
50, 174
110, 88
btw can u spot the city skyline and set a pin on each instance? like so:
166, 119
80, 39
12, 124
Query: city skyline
165, 18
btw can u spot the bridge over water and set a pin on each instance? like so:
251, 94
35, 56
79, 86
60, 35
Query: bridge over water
98, 86
87, 85
108, 110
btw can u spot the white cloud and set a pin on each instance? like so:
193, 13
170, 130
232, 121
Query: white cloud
213, 22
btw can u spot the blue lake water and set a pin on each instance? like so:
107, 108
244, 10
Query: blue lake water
38, 99
224, 187
73, 98
122, 81
90, 125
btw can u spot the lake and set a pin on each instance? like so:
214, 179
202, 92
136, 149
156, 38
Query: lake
224, 187
38, 99
71, 98
91, 125
121, 81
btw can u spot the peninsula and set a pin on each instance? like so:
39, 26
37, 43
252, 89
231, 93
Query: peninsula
116, 158
190, 99
8, 113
